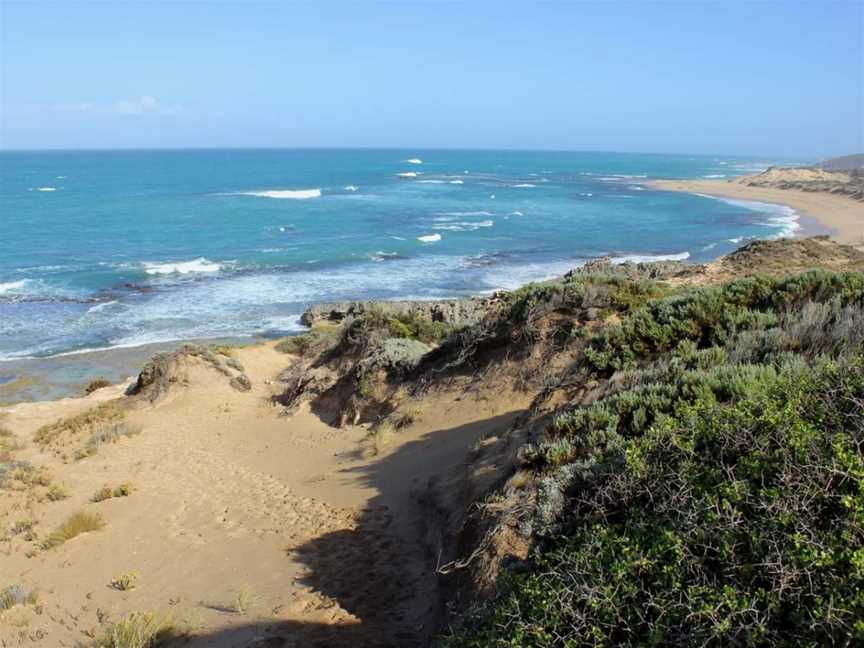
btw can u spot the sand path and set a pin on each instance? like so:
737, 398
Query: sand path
234, 501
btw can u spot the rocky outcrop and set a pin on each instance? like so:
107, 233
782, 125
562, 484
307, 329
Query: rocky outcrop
456, 312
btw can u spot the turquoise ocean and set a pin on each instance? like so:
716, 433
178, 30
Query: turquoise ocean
121, 249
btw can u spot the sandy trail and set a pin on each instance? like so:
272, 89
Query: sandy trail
231, 497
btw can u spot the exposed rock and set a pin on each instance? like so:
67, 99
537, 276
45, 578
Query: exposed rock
241, 382
457, 312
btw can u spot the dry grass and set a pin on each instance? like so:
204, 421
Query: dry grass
98, 383
379, 439
73, 526
126, 582
22, 475
102, 414
142, 630
243, 600
17, 595
57, 492
104, 493
103, 433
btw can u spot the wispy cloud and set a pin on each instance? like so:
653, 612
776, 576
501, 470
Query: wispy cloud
144, 105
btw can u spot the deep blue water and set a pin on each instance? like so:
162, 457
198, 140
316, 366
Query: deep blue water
102, 249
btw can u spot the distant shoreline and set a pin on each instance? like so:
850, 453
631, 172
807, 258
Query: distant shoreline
843, 216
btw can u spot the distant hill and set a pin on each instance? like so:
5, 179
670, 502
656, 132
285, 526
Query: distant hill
844, 163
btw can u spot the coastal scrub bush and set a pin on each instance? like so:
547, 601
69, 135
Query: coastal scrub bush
96, 384
73, 526
711, 491
125, 582
315, 341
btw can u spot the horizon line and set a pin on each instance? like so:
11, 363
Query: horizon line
392, 148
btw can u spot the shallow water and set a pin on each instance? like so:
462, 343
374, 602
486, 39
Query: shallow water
121, 249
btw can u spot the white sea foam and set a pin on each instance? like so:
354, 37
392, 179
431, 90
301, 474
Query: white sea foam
351, 188
523, 185
467, 213
12, 286
47, 189
181, 267
715, 175
100, 307
430, 181
414, 161
648, 258
457, 182
636, 188
407, 174
467, 226
61, 177
516, 213
429, 238
291, 194
782, 217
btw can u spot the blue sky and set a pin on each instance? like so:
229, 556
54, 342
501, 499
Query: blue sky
778, 78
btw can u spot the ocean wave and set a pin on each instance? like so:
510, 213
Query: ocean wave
291, 194
429, 238
783, 217
523, 185
413, 161
648, 258
467, 213
46, 189
516, 213
464, 226
351, 188
381, 255
431, 182
12, 286
636, 188
100, 307
715, 175
181, 267
407, 174
457, 182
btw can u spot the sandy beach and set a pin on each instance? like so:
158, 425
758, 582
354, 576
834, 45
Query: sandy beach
843, 216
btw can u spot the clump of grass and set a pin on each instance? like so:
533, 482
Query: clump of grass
8, 443
73, 526
380, 438
104, 493
57, 492
126, 582
25, 527
17, 595
142, 630
105, 433
243, 599
101, 414
20, 475
97, 383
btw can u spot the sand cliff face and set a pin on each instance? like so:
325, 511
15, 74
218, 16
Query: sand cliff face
848, 183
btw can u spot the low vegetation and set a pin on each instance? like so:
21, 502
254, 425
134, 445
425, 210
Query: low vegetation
109, 432
72, 527
15, 595
96, 384
125, 582
104, 493
101, 415
704, 483
142, 630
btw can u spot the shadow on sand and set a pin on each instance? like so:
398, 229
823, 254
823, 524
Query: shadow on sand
383, 572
